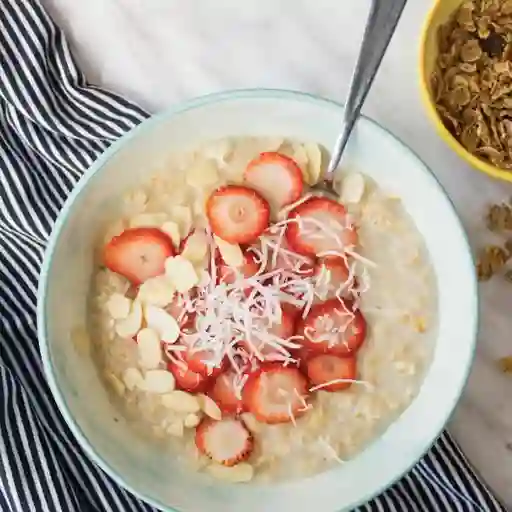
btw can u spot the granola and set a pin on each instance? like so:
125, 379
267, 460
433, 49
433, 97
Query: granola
472, 79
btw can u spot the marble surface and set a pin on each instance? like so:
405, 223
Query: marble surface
159, 52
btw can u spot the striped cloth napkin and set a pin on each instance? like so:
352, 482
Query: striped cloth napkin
53, 125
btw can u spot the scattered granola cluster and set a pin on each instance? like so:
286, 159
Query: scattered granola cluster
493, 258
472, 80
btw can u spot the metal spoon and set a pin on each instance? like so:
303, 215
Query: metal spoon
380, 26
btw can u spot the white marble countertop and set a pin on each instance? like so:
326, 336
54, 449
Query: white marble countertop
159, 52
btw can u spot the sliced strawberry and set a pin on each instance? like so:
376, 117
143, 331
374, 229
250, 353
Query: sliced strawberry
237, 214
226, 442
333, 327
276, 177
138, 253
332, 279
250, 267
224, 392
197, 362
331, 373
286, 327
292, 312
323, 225
276, 393
186, 379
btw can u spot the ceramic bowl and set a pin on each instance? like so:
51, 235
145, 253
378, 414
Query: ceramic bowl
439, 14
141, 466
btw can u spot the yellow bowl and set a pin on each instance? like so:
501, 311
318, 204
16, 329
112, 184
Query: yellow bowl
438, 15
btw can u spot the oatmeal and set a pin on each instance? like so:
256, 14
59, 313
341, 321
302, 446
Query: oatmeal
260, 332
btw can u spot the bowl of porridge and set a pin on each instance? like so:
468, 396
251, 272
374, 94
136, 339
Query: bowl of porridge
218, 338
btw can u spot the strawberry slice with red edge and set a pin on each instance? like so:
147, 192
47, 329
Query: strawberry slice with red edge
276, 177
276, 393
322, 225
227, 442
138, 253
237, 214
331, 373
333, 327
332, 278
224, 393
186, 379
197, 362
286, 327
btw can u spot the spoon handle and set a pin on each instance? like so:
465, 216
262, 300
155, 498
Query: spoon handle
380, 26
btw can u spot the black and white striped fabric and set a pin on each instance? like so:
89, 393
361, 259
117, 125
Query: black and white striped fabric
53, 124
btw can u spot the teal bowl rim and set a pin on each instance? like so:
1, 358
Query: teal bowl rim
256, 93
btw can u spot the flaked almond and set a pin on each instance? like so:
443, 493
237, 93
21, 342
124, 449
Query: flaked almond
162, 322
314, 166
129, 326
181, 401
196, 247
251, 422
352, 188
118, 306
176, 428
242, 472
158, 381
191, 420
132, 378
209, 407
173, 230
158, 291
116, 383
149, 348
231, 253
182, 216
181, 273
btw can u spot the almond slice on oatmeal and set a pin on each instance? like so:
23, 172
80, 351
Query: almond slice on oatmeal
163, 323
181, 273
116, 383
314, 166
191, 420
129, 326
132, 378
181, 401
196, 247
158, 291
209, 407
242, 472
173, 230
118, 306
158, 381
231, 253
182, 216
352, 188
149, 348
176, 428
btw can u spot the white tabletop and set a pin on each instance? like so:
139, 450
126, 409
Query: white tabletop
159, 52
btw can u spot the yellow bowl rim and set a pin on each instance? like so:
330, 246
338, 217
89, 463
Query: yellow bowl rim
479, 164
